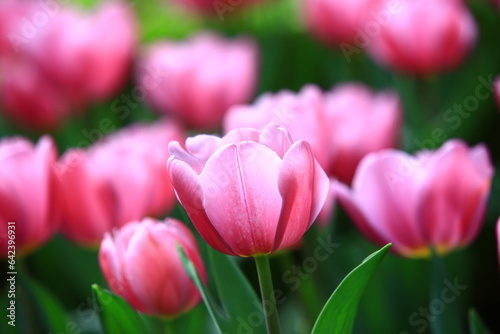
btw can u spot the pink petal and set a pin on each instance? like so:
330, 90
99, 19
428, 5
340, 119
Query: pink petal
303, 187
241, 196
190, 194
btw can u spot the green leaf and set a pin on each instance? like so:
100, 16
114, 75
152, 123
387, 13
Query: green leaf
232, 287
339, 312
36, 303
476, 325
116, 315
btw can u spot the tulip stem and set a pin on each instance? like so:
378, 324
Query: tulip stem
169, 326
267, 293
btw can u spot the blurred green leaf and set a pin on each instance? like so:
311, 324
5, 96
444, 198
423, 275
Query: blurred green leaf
476, 325
340, 311
35, 304
117, 317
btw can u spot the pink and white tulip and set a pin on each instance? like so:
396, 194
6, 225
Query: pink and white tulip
27, 193
250, 192
115, 181
342, 125
427, 37
197, 80
141, 263
436, 199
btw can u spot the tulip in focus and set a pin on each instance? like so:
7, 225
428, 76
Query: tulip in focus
117, 180
436, 199
427, 37
197, 80
250, 192
342, 125
27, 193
141, 263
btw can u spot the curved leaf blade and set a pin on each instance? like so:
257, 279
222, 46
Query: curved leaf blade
339, 312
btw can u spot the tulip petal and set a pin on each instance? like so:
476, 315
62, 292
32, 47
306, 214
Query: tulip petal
276, 138
386, 186
303, 188
453, 199
241, 196
190, 194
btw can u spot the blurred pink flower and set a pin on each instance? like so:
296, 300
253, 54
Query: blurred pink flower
141, 263
498, 239
27, 193
115, 181
87, 54
436, 199
28, 98
251, 192
56, 60
341, 125
427, 37
196, 81
339, 21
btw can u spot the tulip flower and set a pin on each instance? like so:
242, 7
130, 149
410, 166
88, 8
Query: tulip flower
196, 81
141, 263
434, 200
26, 193
336, 21
27, 98
117, 180
427, 37
84, 54
250, 192
342, 125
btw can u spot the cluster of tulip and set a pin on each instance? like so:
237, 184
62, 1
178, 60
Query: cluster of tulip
279, 164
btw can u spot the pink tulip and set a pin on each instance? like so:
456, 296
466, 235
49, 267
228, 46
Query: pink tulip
251, 192
87, 54
436, 199
197, 80
342, 125
26, 193
498, 239
27, 98
326, 214
427, 37
338, 21
141, 264
117, 180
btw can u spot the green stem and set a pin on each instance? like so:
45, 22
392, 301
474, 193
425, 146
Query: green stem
436, 278
169, 326
267, 293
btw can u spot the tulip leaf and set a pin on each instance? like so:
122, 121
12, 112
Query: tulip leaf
116, 315
38, 309
220, 321
476, 325
232, 288
339, 312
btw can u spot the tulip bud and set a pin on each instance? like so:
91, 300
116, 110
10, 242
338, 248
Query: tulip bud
141, 263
